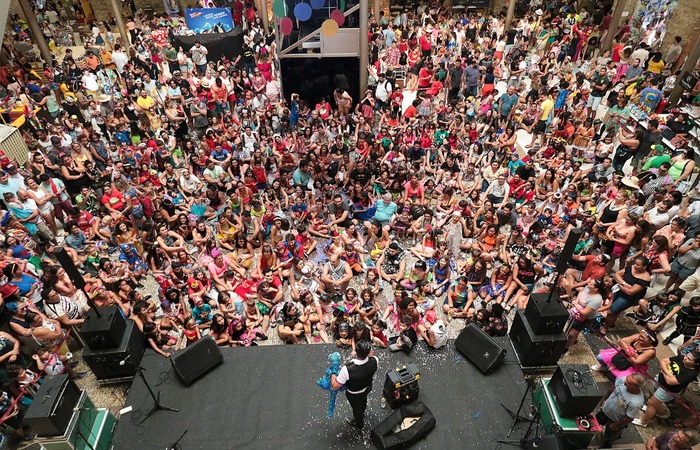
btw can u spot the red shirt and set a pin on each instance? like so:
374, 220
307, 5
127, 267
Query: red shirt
114, 201
592, 270
85, 221
425, 76
425, 44
410, 112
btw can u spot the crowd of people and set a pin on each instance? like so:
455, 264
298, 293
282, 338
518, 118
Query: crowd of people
342, 220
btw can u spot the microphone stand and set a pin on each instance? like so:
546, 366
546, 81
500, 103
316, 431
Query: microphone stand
176, 444
156, 398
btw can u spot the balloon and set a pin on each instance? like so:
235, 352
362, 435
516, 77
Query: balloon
286, 26
317, 4
342, 6
279, 8
329, 27
338, 16
302, 12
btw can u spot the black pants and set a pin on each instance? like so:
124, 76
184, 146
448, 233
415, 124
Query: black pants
610, 436
358, 402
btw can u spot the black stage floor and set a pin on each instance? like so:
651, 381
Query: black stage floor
266, 397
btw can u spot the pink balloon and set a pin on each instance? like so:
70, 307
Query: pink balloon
338, 16
286, 26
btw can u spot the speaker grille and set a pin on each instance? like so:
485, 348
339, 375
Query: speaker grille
479, 348
197, 360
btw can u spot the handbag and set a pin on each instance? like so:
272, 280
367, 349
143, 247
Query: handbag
620, 361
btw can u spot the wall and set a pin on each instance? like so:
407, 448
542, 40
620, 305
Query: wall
684, 23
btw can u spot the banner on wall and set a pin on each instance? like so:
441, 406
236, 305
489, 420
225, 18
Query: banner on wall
209, 20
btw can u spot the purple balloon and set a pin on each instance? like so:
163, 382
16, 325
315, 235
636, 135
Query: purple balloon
302, 11
317, 4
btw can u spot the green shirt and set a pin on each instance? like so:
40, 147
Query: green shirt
170, 54
655, 162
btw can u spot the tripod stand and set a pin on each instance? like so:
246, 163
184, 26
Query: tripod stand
533, 419
516, 415
156, 398
176, 445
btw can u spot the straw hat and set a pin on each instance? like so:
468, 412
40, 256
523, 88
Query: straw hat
631, 182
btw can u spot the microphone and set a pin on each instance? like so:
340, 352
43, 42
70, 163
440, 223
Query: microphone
123, 361
80, 409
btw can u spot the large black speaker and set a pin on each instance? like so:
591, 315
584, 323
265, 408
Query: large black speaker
568, 250
479, 348
575, 391
388, 435
67, 263
53, 405
546, 442
121, 361
546, 316
103, 328
401, 385
197, 360
535, 350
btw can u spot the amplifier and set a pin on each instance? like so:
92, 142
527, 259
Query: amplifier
401, 385
53, 405
103, 327
535, 350
119, 362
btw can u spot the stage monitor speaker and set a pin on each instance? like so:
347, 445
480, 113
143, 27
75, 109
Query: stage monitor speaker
479, 348
121, 361
545, 315
535, 350
393, 434
546, 442
401, 385
52, 407
568, 251
197, 360
575, 391
67, 263
103, 328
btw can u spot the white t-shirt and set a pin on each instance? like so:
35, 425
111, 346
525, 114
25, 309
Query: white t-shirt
440, 333
190, 183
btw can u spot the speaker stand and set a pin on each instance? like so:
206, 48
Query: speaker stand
522, 442
176, 445
516, 415
156, 398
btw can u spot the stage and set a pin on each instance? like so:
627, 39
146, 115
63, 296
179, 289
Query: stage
267, 397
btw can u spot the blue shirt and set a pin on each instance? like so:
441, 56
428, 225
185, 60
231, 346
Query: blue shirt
650, 97
301, 178
220, 156
202, 315
513, 166
507, 102
384, 212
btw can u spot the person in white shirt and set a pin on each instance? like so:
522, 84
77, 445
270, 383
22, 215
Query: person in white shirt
660, 215
189, 183
642, 53
383, 91
119, 58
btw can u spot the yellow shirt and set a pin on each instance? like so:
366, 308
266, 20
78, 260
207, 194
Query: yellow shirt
656, 67
145, 103
547, 107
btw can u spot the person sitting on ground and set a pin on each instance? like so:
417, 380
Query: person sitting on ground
632, 355
406, 339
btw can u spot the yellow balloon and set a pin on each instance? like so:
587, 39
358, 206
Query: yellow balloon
329, 27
